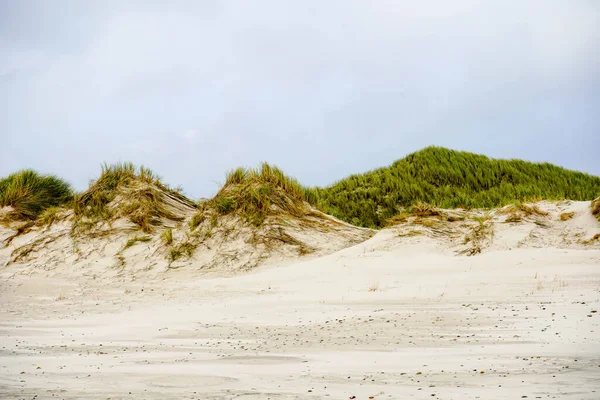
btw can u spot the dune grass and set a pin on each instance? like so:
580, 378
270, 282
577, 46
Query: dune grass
50, 215
449, 179
480, 232
167, 236
595, 207
253, 193
182, 249
523, 210
30, 193
566, 216
134, 193
419, 184
136, 239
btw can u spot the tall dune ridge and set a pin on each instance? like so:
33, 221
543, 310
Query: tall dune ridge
446, 275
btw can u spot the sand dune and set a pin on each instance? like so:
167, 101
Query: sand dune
403, 314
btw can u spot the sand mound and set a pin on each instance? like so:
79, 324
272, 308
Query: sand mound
564, 224
130, 224
138, 196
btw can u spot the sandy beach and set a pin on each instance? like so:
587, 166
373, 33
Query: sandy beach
382, 319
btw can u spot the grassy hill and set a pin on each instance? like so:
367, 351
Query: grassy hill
449, 179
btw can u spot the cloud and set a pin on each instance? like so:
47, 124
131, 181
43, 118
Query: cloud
323, 89
190, 135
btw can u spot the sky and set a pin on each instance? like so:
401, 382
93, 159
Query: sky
323, 89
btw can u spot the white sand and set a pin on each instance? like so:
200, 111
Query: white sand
391, 318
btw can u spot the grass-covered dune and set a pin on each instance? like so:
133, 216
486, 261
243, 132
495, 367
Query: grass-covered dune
254, 193
30, 193
138, 194
450, 179
434, 176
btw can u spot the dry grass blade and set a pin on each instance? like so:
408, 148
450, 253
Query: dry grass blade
566, 216
514, 217
593, 239
21, 230
524, 209
136, 239
476, 238
425, 210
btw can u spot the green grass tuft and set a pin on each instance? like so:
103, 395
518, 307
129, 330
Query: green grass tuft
30, 193
49, 215
167, 236
136, 239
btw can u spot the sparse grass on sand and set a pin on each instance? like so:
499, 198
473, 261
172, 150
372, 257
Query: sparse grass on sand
595, 206
136, 239
30, 193
374, 287
593, 239
167, 236
566, 216
475, 239
122, 190
519, 211
185, 248
411, 233
523, 209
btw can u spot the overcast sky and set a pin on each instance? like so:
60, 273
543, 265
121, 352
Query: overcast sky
321, 88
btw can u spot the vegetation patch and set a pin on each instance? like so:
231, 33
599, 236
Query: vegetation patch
136, 239
482, 231
523, 209
426, 222
411, 233
51, 215
252, 194
29, 193
167, 236
398, 219
593, 239
449, 179
182, 249
517, 212
122, 190
566, 216
425, 210
514, 217
21, 230
595, 206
